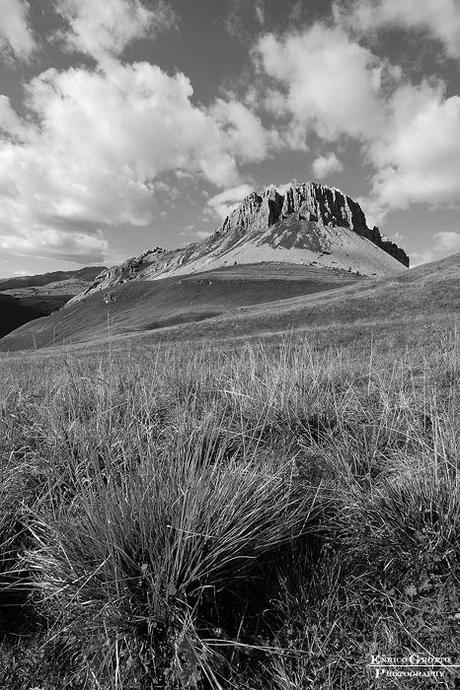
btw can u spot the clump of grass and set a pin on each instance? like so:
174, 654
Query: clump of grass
14, 492
138, 573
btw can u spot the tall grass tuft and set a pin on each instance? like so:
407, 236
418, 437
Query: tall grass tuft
143, 568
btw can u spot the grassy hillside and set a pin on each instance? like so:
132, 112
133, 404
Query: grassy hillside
425, 292
395, 310
420, 296
42, 280
143, 306
254, 516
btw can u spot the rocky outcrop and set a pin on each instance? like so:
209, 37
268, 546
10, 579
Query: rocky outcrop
256, 212
311, 202
115, 275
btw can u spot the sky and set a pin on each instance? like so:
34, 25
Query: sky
130, 124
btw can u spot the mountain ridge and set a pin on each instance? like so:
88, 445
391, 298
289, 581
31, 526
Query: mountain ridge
308, 224
40, 280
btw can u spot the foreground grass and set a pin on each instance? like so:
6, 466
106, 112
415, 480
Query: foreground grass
263, 517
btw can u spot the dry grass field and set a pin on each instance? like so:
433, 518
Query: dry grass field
229, 402
249, 515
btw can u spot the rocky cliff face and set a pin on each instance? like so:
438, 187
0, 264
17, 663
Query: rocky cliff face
307, 224
311, 202
129, 270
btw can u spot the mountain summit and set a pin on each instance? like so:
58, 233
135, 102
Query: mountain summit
308, 224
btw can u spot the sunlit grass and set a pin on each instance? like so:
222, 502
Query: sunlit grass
257, 517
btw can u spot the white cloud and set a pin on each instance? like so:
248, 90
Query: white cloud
443, 243
80, 247
105, 139
328, 82
440, 18
224, 203
15, 34
243, 129
259, 10
325, 165
417, 156
10, 123
447, 241
103, 28
194, 235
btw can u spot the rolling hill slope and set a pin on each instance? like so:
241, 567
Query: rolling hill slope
56, 282
143, 305
425, 295
237, 305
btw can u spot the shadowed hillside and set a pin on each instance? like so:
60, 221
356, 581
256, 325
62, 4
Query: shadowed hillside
423, 295
16, 311
143, 306
228, 304
25, 298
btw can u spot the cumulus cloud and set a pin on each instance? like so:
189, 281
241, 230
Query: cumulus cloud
440, 18
15, 33
193, 235
325, 165
103, 141
243, 129
10, 123
327, 82
443, 243
102, 28
224, 203
80, 247
417, 156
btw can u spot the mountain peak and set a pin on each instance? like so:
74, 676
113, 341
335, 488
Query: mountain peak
312, 202
308, 224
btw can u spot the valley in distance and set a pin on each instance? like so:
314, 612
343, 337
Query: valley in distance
234, 464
